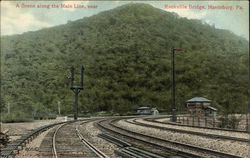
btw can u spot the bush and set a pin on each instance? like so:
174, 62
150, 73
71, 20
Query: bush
51, 116
229, 122
17, 116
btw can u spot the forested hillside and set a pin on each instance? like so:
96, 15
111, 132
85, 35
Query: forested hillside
126, 53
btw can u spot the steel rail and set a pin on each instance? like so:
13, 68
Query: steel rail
54, 142
129, 151
193, 126
161, 147
208, 135
84, 141
195, 148
190, 147
13, 147
99, 153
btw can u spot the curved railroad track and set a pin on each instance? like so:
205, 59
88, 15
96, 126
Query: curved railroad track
157, 125
168, 148
155, 119
16, 146
68, 141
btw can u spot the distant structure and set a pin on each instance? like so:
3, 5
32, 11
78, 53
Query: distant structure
154, 111
199, 106
145, 110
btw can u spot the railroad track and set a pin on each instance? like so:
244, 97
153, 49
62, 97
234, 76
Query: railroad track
68, 141
208, 135
127, 150
99, 153
13, 148
193, 126
170, 148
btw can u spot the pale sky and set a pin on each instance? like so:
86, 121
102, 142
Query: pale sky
17, 17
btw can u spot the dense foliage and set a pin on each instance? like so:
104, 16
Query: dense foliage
127, 57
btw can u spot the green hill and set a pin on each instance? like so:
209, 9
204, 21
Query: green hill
126, 53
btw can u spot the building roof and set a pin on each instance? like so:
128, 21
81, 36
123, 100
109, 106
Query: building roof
198, 99
212, 108
144, 108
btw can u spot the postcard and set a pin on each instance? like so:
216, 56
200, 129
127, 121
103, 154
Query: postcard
121, 78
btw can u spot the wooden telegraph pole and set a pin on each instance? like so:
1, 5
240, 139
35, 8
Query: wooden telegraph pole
174, 118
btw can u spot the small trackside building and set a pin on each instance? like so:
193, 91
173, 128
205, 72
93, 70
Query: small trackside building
145, 110
199, 106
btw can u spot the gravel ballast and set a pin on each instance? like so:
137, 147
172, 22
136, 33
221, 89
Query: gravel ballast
202, 130
230, 147
90, 133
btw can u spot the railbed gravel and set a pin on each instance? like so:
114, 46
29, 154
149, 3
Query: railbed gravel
90, 133
230, 147
31, 150
16, 130
202, 130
